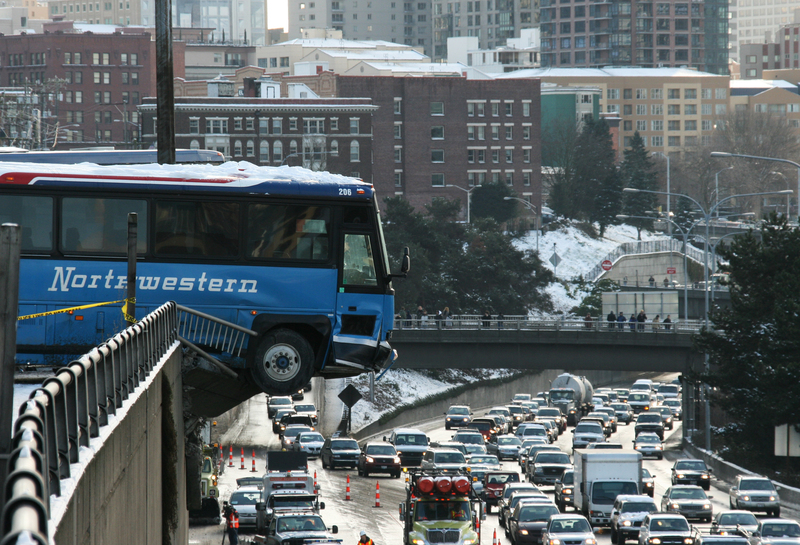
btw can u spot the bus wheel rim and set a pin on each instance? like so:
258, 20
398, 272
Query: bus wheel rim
282, 362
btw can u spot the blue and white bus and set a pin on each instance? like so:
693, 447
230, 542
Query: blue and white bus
108, 156
294, 255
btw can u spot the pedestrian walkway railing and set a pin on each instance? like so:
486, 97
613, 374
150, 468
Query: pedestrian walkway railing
647, 247
67, 411
526, 323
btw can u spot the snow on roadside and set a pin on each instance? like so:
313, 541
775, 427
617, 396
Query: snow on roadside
400, 387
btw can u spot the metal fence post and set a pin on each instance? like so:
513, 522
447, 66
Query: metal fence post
9, 300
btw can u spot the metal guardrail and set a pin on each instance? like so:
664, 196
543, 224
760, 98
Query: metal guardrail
67, 411
209, 331
525, 323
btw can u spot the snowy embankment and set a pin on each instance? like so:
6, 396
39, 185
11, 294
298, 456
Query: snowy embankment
579, 254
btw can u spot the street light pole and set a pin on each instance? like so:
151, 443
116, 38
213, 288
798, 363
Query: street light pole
706, 218
716, 186
468, 192
665, 156
776, 159
530, 206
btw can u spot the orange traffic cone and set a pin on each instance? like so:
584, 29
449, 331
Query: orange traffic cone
254, 461
347, 492
242, 467
230, 457
377, 494
494, 537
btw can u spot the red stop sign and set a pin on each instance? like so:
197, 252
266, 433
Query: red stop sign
606, 265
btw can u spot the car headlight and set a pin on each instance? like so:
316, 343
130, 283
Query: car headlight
648, 485
658, 447
704, 476
688, 540
418, 541
370, 459
627, 523
448, 419
396, 459
772, 498
554, 541
590, 541
655, 541
680, 475
566, 491
469, 541
706, 506
674, 506
746, 498
523, 532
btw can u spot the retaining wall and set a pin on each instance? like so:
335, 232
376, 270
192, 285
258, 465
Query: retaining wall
489, 396
122, 496
727, 472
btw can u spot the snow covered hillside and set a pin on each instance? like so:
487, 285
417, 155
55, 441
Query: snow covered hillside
579, 254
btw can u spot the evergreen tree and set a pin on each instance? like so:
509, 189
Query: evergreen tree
592, 192
467, 268
488, 202
602, 178
637, 171
754, 351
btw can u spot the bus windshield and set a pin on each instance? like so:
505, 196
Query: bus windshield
239, 242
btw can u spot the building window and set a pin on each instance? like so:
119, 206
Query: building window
673, 125
398, 155
612, 94
398, 106
194, 125
398, 179
277, 125
657, 141
721, 93
470, 132
526, 155
526, 178
495, 132
437, 156
509, 156
334, 151
250, 124
641, 125
526, 132
437, 132
656, 94
674, 141
277, 151
509, 109
237, 123
510, 177
673, 109
526, 109
641, 109
398, 131
495, 109
237, 148
690, 94
354, 125
656, 109
657, 125
690, 125
690, 109
263, 151
437, 108
437, 179
509, 133
495, 156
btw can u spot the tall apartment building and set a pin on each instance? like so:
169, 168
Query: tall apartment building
406, 23
758, 22
427, 23
649, 34
91, 82
104, 12
672, 108
781, 54
433, 133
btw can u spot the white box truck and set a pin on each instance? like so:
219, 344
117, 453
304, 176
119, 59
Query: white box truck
600, 476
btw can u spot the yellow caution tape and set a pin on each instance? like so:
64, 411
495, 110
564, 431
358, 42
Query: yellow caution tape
60, 311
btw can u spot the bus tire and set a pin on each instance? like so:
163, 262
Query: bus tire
284, 362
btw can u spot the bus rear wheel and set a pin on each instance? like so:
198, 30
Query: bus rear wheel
284, 362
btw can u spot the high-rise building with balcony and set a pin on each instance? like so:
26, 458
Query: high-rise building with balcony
597, 33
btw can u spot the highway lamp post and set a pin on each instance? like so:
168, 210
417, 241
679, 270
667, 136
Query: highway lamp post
532, 208
714, 259
716, 186
707, 220
721, 154
665, 156
468, 192
788, 203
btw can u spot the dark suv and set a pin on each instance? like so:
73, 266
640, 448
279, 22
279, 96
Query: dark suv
650, 421
691, 472
339, 452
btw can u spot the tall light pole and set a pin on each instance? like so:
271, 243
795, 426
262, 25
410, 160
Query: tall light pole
532, 207
707, 219
788, 203
468, 192
665, 156
716, 186
776, 159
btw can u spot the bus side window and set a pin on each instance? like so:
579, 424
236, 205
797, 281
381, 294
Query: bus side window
34, 215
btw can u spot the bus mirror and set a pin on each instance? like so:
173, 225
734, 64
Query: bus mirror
406, 264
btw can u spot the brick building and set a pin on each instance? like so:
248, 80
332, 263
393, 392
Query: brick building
431, 133
86, 85
329, 134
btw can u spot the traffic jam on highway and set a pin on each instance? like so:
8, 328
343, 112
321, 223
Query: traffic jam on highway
571, 466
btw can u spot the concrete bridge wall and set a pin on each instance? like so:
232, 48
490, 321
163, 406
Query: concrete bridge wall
134, 490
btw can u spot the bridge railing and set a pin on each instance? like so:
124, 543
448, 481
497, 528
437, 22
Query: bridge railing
526, 323
67, 411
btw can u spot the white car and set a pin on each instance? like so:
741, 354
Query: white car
753, 493
310, 442
244, 500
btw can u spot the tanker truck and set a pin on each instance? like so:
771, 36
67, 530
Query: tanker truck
573, 395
